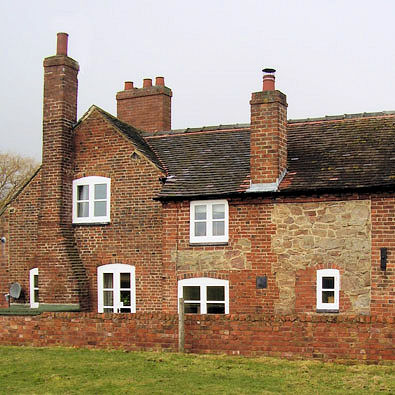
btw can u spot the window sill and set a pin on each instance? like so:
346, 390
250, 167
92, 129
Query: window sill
90, 223
209, 243
332, 311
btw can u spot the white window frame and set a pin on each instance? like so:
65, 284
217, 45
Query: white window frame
91, 182
116, 269
208, 238
203, 283
34, 304
328, 273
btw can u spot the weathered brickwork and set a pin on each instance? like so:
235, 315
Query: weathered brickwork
383, 236
268, 136
247, 255
147, 108
367, 338
322, 235
133, 236
18, 224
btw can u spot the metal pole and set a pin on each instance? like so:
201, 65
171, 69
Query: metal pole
181, 332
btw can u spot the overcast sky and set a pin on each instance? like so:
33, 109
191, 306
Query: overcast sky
332, 57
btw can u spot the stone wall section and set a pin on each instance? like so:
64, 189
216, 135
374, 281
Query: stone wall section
317, 235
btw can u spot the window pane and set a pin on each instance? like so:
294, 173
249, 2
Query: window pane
218, 228
125, 280
200, 229
328, 282
100, 191
200, 212
218, 211
192, 308
216, 293
100, 209
83, 209
108, 299
328, 297
125, 310
108, 310
35, 296
215, 308
125, 298
191, 293
83, 192
107, 280
35, 281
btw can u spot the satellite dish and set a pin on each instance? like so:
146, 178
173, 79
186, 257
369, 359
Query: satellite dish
15, 290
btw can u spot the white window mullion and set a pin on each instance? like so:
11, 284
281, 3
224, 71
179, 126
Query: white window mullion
203, 293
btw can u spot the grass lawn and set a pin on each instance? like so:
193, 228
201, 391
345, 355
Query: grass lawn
25, 370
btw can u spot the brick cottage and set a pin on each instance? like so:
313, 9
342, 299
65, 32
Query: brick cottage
278, 234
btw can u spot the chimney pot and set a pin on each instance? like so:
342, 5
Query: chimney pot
268, 79
160, 81
128, 85
147, 82
61, 47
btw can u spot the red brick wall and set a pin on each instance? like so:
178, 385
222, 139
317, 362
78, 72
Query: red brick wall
249, 220
147, 109
311, 336
18, 225
383, 235
323, 337
305, 289
133, 236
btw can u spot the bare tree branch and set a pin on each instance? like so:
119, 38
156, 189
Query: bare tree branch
14, 171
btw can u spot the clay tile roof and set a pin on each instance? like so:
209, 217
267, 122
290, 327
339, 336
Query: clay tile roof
204, 161
330, 153
348, 152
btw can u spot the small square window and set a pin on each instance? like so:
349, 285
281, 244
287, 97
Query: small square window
328, 287
91, 200
209, 221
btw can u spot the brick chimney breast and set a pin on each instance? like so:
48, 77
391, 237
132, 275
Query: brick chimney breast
268, 156
147, 108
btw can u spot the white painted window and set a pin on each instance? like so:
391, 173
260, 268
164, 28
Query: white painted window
116, 288
204, 295
328, 287
91, 200
209, 221
33, 280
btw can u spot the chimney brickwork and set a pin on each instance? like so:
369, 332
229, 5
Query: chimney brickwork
147, 108
60, 270
268, 134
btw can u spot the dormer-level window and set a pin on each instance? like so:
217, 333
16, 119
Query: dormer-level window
328, 287
91, 200
209, 221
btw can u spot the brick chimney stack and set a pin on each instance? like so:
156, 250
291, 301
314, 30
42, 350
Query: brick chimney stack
268, 159
59, 115
147, 108
61, 274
